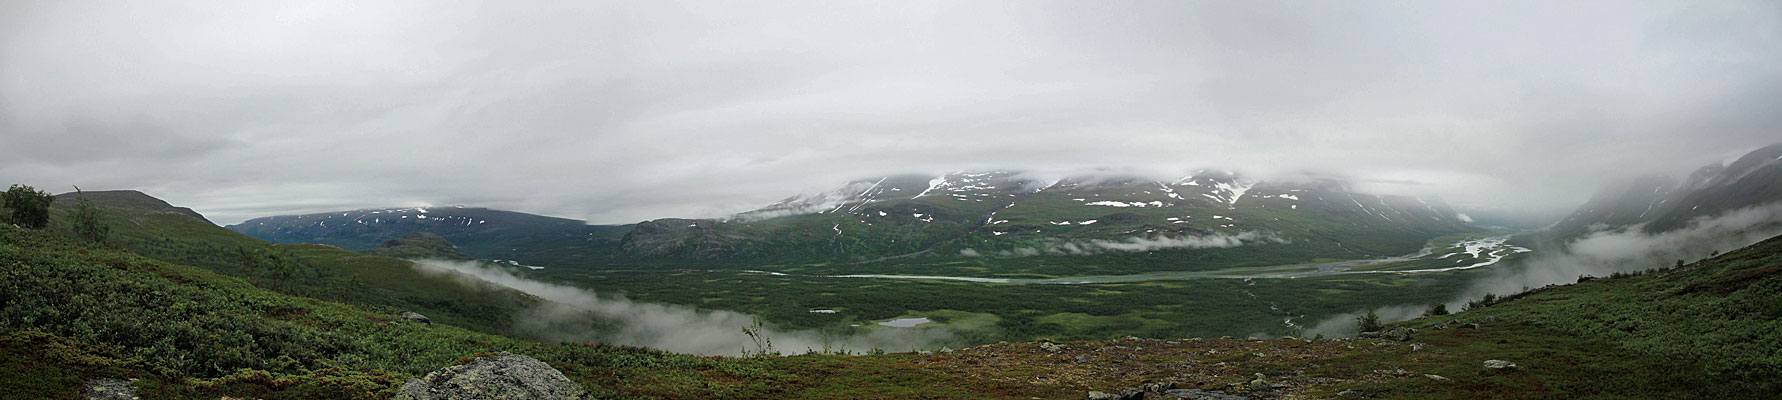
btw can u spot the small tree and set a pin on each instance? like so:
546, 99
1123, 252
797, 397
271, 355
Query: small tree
1368, 322
87, 220
29, 207
1436, 309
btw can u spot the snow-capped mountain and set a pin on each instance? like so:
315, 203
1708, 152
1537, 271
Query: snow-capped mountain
997, 210
951, 215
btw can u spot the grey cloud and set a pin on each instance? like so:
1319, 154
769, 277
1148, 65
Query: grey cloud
619, 112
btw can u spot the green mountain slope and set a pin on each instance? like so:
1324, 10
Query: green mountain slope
149, 227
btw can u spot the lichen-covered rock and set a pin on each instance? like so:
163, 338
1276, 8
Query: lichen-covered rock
109, 389
502, 376
1499, 364
1260, 383
1197, 394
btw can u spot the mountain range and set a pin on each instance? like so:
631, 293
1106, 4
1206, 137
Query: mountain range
1199, 221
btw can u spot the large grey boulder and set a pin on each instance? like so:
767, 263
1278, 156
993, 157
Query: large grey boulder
415, 317
501, 376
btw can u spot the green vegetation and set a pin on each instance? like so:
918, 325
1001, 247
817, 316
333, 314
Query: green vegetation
1437, 309
27, 206
195, 311
1724, 311
71, 311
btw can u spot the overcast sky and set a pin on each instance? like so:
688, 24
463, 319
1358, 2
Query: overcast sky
617, 112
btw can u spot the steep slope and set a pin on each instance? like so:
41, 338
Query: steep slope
1656, 204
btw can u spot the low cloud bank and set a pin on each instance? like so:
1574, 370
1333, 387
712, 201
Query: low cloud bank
1598, 254
1136, 244
572, 313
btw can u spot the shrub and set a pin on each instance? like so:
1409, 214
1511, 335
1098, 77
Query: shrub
1368, 322
1436, 309
27, 206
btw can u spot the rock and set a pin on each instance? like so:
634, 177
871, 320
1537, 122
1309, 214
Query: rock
1416, 347
1499, 364
109, 389
1158, 388
1441, 327
1435, 377
415, 317
1260, 383
501, 376
1094, 395
1197, 394
1348, 393
1052, 347
1082, 359
1492, 318
1470, 326
1397, 334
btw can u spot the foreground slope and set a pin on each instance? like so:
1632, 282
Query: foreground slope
150, 227
72, 311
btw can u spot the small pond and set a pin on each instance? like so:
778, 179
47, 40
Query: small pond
905, 322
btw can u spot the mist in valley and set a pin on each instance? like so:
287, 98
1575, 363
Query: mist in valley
571, 313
